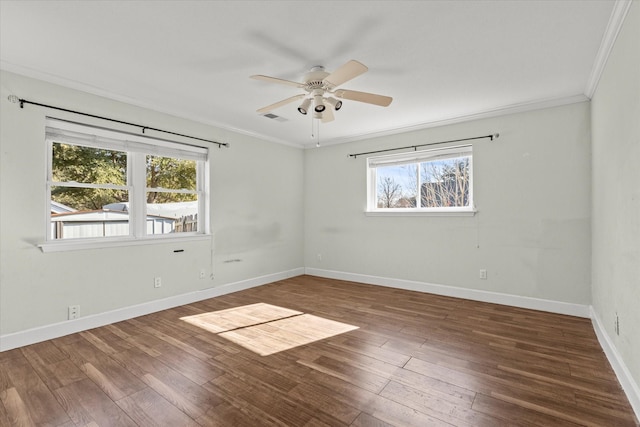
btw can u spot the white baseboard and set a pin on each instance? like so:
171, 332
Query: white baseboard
627, 382
570, 309
43, 333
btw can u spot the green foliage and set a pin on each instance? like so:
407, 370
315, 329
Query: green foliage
170, 173
72, 163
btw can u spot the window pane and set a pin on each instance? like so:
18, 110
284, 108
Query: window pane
172, 217
171, 173
77, 213
444, 183
74, 163
87, 199
396, 186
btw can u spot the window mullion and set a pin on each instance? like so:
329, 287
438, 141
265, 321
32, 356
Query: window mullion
203, 199
419, 189
88, 185
373, 188
47, 200
138, 196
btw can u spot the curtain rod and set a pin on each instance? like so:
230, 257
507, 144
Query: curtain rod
15, 99
492, 137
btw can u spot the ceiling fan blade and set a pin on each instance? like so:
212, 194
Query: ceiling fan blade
280, 103
327, 115
276, 80
348, 71
369, 98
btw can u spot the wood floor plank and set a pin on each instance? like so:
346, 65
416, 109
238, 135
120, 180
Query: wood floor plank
65, 372
225, 414
101, 344
92, 360
254, 370
254, 399
169, 392
314, 422
581, 416
16, 411
197, 370
454, 413
27, 390
366, 420
358, 377
321, 401
87, 404
4, 417
415, 359
173, 386
103, 381
355, 345
157, 332
604, 405
515, 414
441, 389
148, 408
485, 379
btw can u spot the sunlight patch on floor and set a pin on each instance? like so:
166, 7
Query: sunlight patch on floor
285, 334
267, 329
239, 317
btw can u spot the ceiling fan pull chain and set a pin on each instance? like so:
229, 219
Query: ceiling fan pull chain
312, 132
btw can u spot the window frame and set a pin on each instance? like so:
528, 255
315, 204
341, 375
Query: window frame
415, 158
136, 147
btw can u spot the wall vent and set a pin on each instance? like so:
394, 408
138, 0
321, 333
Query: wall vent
274, 117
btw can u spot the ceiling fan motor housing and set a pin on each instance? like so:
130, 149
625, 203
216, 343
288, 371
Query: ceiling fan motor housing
314, 79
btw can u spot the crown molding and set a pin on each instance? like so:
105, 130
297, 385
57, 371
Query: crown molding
619, 12
83, 87
491, 112
494, 112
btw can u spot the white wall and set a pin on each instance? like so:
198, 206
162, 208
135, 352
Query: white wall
616, 194
256, 216
532, 230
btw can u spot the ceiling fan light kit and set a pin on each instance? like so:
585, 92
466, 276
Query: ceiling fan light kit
304, 107
335, 103
318, 103
318, 83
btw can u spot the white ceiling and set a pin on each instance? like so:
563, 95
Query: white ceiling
439, 60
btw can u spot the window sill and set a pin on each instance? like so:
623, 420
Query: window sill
415, 212
81, 244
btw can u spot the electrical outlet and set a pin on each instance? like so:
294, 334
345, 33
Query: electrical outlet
319, 257
483, 274
74, 312
157, 282
203, 274
617, 325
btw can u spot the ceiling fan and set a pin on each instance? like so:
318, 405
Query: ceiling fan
322, 93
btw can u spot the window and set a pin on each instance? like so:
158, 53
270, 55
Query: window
437, 181
104, 185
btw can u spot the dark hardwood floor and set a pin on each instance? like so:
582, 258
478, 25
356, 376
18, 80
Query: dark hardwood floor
415, 360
